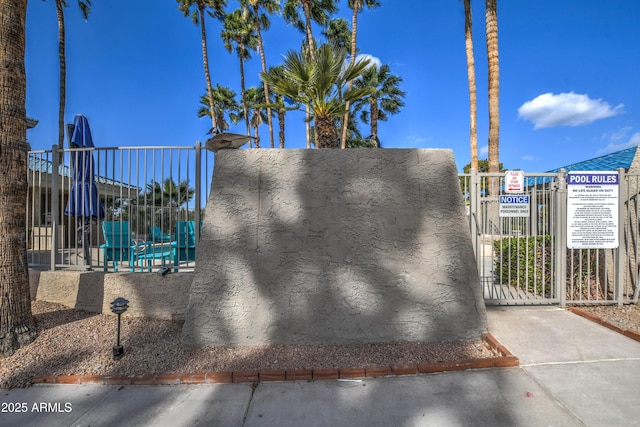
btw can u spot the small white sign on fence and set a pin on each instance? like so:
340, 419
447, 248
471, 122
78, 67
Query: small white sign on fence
592, 210
514, 182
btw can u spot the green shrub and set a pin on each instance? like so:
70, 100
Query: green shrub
525, 262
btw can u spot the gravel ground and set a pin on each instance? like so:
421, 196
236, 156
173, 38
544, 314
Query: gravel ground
625, 317
77, 342
72, 342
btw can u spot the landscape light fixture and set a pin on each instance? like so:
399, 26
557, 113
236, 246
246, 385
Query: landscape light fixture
118, 306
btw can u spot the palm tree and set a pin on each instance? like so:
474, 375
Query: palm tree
385, 97
278, 104
215, 9
85, 8
256, 104
356, 6
261, 22
471, 74
338, 34
168, 194
491, 15
239, 36
17, 326
320, 83
313, 10
224, 102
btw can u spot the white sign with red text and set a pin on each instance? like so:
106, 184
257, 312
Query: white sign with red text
514, 182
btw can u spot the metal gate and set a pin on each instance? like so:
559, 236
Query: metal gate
523, 259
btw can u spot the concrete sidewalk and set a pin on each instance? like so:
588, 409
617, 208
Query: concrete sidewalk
573, 372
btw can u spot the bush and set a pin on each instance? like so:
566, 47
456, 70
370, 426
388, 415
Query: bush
525, 262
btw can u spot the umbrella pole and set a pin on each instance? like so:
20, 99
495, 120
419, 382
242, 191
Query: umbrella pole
86, 229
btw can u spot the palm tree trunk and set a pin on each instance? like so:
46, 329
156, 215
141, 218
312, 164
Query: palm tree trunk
205, 58
471, 73
494, 90
374, 121
311, 53
17, 327
63, 74
307, 15
325, 133
354, 32
263, 60
281, 116
244, 94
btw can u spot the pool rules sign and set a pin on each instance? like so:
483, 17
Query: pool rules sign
592, 210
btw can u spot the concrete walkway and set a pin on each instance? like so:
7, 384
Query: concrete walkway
573, 373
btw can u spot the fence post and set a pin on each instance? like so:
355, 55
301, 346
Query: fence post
561, 237
55, 203
620, 259
198, 187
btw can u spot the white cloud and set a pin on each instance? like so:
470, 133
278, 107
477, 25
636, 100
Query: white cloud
372, 59
614, 145
566, 109
528, 158
483, 152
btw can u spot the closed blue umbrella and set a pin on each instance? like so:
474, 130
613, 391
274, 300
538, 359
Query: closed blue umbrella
84, 202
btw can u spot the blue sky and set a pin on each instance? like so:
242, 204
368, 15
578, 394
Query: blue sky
568, 91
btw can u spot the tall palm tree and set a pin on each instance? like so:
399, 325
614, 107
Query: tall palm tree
85, 8
471, 74
385, 97
338, 34
215, 9
491, 16
17, 326
224, 102
278, 103
256, 105
356, 6
312, 10
261, 22
320, 82
239, 35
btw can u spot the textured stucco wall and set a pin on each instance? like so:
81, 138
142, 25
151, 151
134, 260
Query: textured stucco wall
149, 295
334, 247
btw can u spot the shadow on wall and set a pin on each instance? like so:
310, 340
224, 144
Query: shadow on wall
334, 247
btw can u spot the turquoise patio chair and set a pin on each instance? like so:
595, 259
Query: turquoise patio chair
157, 236
120, 246
184, 246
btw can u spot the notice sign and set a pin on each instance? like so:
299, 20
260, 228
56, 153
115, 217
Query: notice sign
514, 182
592, 210
514, 207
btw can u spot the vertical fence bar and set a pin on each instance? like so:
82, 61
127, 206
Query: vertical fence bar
622, 197
55, 204
198, 172
561, 237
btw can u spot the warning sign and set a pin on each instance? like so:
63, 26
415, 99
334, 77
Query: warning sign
514, 182
592, 209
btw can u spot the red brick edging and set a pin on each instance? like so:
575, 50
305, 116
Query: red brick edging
634, 335
506, 359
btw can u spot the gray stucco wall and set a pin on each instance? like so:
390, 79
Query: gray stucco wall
334, 247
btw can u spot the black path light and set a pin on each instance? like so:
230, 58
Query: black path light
119, 306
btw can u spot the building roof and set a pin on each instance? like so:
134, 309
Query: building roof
608, 162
